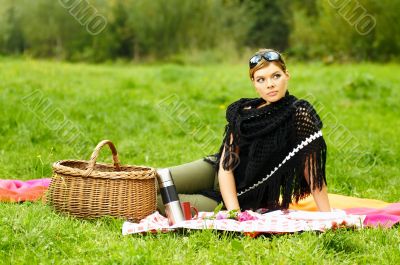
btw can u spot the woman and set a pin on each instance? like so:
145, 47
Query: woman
272, 153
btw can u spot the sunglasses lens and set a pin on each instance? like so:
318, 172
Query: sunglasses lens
254, 60
271, 56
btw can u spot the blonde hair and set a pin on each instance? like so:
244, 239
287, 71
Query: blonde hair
263, 63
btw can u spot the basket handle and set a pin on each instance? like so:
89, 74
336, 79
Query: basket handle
96, 152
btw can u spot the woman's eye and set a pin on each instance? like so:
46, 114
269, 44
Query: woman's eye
260, 80
277, 76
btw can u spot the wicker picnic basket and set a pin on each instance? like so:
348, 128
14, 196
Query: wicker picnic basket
88, 189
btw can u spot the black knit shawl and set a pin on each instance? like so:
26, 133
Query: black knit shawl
284, 145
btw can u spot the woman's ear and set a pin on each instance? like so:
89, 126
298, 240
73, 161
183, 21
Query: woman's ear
287, 74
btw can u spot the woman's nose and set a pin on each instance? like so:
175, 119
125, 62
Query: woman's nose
270, 83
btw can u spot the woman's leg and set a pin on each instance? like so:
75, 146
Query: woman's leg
201, 202
192, 177
189, 179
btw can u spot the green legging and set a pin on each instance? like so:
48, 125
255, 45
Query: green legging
190, 179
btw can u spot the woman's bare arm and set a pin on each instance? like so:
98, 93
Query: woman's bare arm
227, 186
320, 196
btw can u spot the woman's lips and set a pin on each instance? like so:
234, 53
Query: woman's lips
272, 93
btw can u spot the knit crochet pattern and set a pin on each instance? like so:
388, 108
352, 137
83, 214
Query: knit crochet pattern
274, 151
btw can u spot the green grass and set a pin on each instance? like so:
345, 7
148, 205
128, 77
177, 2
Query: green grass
357, 103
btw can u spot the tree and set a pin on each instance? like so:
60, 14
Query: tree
270, 23
13, 41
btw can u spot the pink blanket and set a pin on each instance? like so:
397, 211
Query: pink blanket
19, 191
386, 217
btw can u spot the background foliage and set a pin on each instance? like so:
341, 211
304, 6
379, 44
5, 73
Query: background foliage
201, 31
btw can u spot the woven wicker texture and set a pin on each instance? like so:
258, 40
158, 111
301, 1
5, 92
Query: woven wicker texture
88, 189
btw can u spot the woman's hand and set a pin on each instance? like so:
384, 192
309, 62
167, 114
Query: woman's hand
321, 199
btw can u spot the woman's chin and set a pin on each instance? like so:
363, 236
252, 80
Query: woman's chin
272, 99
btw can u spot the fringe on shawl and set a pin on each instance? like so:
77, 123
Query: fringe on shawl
231, 157
291, 181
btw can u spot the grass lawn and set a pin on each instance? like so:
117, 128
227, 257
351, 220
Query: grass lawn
132, 106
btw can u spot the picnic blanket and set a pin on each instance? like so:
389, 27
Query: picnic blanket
272, 222
386, 217
339, 202
19, 191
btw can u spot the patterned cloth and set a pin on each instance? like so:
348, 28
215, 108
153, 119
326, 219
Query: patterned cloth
272, 222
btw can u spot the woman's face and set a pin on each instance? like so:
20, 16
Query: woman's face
271, 82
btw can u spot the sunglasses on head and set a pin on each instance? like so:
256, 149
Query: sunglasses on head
268, 56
